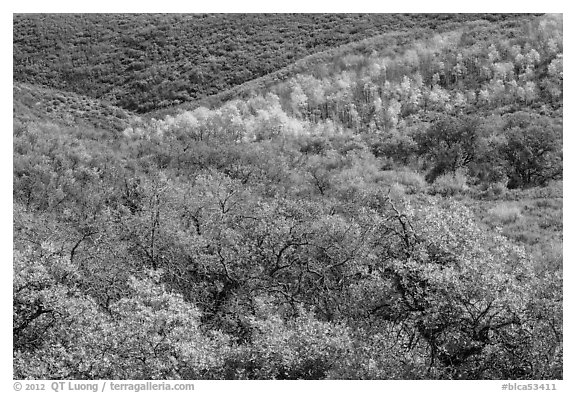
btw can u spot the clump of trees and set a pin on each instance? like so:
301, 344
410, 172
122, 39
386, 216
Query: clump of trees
290, 257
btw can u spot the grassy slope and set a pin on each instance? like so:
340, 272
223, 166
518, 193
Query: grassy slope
532, 217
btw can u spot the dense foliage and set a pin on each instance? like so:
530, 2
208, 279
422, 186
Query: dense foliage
377, 217
146, 61
33, 102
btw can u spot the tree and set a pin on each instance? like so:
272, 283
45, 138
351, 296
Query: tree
449, 144
532, 151
298, 348
298, 99
460, 289
62, 333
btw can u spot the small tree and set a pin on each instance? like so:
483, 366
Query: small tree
461, 290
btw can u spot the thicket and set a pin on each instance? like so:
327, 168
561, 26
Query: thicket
270, 259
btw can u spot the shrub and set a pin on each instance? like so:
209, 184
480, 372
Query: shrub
450, 184
304, 348
411, 181
396, 146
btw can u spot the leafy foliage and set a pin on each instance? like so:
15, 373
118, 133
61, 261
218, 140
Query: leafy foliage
450, 144
292, 234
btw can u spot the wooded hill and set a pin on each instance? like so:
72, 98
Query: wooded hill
389, 209
142, 62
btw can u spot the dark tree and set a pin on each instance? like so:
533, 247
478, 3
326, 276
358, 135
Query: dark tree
533, 154
449, 143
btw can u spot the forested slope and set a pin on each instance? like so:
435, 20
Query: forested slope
388, 213
388, 44
146, 61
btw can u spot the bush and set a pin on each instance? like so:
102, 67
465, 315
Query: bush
450, 184
396, 146
411, 181
303, 348
492, 190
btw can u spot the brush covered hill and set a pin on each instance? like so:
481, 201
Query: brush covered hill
386, 44
143, 62
36, 103
390, 209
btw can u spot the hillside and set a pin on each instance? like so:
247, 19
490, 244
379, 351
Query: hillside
34, 103
388, 208
172, 58
389, 44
